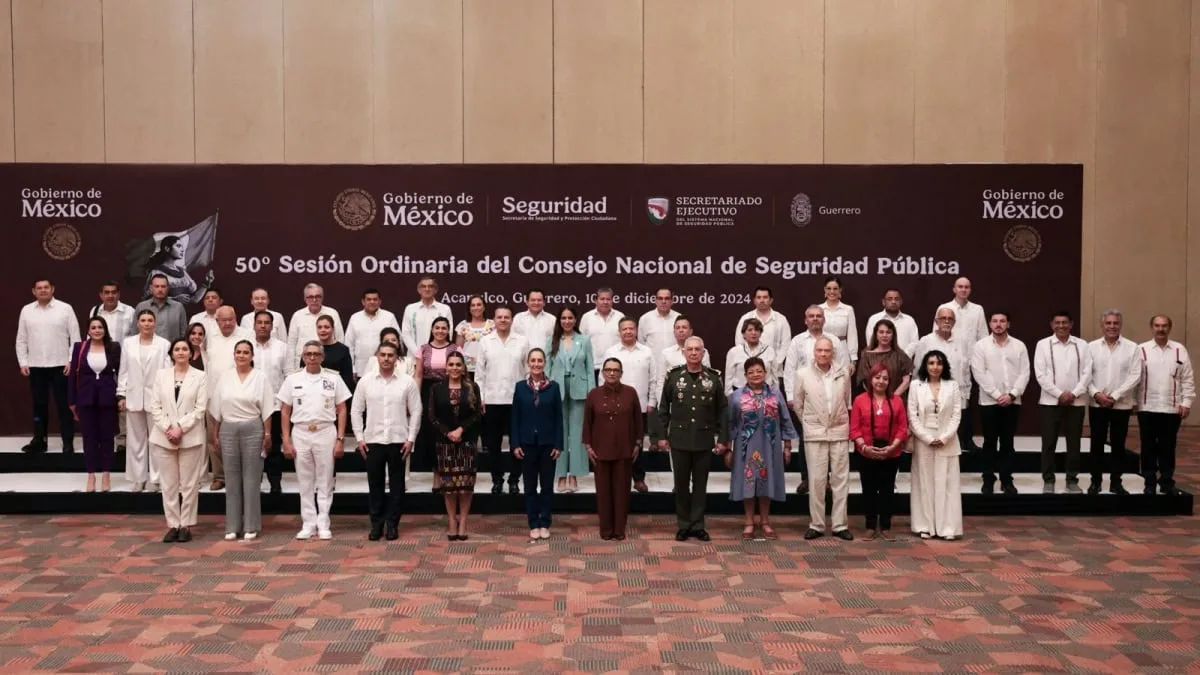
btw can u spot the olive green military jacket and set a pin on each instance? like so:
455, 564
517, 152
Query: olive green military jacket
691, 412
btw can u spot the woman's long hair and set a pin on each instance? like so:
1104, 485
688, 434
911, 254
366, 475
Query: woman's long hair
163, 254
558, 329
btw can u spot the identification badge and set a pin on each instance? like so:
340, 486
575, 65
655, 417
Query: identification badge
328, 385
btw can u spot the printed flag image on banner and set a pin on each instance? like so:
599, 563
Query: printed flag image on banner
176, 255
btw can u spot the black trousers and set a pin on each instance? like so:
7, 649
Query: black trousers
538, 469
496, 422
1158, 432
1108, 426
43, 382
999, 430
639, 464
274, 461
800, 460
425, 448
1068, 419
879, 489
966, 427
385, 507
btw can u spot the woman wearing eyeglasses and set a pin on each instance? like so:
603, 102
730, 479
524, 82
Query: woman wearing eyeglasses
612, 435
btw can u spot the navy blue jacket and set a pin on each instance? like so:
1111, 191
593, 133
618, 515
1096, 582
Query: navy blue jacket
84, 386
540, 425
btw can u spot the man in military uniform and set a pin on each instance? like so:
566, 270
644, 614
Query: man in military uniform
313, 411
690, 411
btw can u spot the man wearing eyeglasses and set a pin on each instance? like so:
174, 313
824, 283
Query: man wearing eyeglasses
303, 326
313, 411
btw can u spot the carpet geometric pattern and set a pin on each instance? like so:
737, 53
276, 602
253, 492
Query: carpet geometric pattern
100, 594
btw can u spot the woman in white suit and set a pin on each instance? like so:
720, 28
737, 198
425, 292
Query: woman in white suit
177, 405
144, 355
934, 411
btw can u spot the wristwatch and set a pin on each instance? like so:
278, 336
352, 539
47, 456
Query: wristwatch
341, 438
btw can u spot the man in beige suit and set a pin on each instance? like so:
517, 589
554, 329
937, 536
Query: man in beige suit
822, 402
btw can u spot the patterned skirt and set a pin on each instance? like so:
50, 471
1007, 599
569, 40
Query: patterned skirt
455, 467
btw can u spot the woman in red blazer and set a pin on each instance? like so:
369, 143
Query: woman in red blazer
92, 396
878, 429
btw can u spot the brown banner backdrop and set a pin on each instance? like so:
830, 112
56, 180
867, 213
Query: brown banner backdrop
710, 233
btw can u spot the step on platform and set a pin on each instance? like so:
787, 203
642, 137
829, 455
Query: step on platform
63, 493
1026, 459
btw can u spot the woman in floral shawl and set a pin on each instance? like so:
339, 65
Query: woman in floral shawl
762, 433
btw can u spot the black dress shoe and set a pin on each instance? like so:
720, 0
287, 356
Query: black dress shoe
185, 535
813, 534
1118, 489
497, 488
1008, 489
846, 535
514, 489
171, 536
376, 533
1094, 488
1148, 490
702, 535
802, 488
640, 487
989, 487
34, 447
68, 449
393, 532
682, 535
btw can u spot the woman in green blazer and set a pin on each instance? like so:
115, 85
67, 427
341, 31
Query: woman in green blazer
569, 356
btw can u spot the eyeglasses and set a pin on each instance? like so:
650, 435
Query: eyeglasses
313, 297
612, 370
312, 355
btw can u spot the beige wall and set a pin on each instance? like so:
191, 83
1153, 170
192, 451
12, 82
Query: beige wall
1109, 83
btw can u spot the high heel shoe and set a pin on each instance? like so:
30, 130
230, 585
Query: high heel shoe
105, 483
91, 484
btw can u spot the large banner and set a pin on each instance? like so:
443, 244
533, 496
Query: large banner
709, 233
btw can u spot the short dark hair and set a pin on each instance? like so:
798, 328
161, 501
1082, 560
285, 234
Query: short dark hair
682, 317
214, 289
49, 281
506, 308
764, 288
1004, 313
535, 290
370, 291
263, 312
1063, 313
923, 371
156, 275
388, 345
753, 361
630, 319
427, 277
752, 322
106, 284
892, 289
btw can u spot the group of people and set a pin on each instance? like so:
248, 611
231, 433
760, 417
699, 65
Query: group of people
576, 394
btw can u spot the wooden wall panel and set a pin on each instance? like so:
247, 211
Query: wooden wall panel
149, 114
1190, 329
1049, 105
327, 102
778, 81
508, 81
7, 139
1142, 117
418, 83
959, 80
689, 81
598, 81
869, 81
58, 78
239, 81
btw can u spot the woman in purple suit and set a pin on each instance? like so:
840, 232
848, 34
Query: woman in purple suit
92, 395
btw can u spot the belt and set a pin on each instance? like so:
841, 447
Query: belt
313, 426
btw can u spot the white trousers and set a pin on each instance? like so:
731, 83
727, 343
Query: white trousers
828, 465
140, 464
936, 499
314, 472
180, 467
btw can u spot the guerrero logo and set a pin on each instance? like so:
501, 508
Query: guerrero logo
1022, 243
801, 210
62, 241
658, 208
354, 209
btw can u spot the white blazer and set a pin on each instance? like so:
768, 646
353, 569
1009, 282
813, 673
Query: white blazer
187, 412
135, 383
949, 413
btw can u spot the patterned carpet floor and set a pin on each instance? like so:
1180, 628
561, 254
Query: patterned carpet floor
100, 594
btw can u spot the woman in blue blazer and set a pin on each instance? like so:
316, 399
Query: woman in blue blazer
569, 363
536, 439
92, 396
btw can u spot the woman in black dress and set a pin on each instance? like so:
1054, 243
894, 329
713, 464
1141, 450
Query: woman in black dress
337, 355
453, 410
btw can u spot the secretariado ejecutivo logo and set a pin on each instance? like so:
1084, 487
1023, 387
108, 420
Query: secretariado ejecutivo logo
658, 208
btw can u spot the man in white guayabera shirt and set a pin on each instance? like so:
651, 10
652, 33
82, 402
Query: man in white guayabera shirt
260, 301
535, 324
601, 327
907, 333
970, 326
417, 320
303, 325
1000, 364
656, 328
362, 332
1116, 373
499, 366
1062, 364
46, 330
1168, 390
